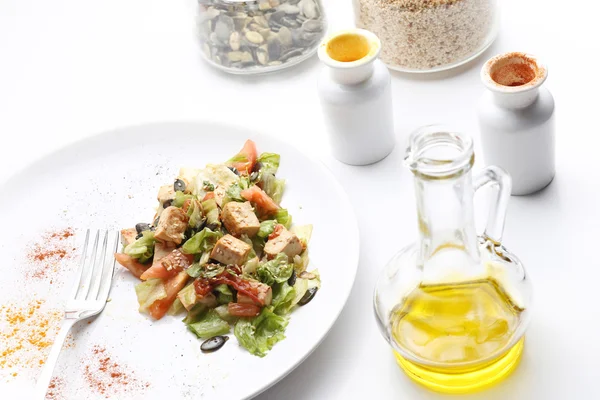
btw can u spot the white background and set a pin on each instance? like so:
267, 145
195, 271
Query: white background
71, 68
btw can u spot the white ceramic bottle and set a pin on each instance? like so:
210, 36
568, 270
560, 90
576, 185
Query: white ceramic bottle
516, 120
356, 98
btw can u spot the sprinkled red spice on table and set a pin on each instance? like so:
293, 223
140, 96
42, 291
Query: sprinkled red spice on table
105, 375
55, 389
46, 258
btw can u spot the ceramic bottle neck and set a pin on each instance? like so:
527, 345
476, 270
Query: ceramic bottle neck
514, 79
352, 76
350, 56
516, 100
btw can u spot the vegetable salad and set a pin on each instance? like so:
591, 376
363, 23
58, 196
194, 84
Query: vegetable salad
223, 250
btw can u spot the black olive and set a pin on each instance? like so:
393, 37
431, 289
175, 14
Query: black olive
139, 235
257, 166
167, 203
141, 227
213, 344
308, 296
179, 185
292, 280
254, 176
234, 170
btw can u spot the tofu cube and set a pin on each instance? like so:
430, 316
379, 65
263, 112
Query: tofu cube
239, 219
264, 294
128, 236
161, 250
287, 242
166, 193
171, 225
231, 251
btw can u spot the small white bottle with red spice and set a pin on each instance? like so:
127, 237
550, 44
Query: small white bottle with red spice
516, 120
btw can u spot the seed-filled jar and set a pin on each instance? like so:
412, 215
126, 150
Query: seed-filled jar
258, 36
429, 35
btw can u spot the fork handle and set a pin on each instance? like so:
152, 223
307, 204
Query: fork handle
43, 381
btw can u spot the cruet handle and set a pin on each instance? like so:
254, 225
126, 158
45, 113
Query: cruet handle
500, 179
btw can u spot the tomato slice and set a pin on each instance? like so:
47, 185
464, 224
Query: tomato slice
169, 265
186, 205
276, 232
159, 308
255, 291
133, 265
243, 310
244, 160
263, 202
202, 287
240, 284
208, 196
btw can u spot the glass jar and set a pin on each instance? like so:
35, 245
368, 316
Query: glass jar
429, 35
259, 36
454, 306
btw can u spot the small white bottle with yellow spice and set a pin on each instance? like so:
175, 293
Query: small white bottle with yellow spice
356, 98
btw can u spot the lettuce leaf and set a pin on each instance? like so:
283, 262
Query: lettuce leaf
244, 238
143, 248
211, 211
209, 325
223, 312
283, 298
304, 233
302, 285
187, 296
180, 198
269, 162
251, 265
273, 187
315, 282
300, 288
224, 294
195, 314
301, 261
259, 335
194, 270
266, 228
278, 270
201, 242
233, 193
148, 292
194, 214
284, 218
176, 308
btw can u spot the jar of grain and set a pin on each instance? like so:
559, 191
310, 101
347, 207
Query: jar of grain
429, 35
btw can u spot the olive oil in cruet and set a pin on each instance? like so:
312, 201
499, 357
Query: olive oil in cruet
454, 306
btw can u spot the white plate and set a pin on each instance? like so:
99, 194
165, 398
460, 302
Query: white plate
111, 181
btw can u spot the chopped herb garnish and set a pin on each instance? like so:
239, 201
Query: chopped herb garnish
209, 187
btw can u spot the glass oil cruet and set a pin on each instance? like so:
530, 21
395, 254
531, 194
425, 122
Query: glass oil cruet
454, 306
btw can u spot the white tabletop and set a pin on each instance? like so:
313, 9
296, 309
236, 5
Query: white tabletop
71, 68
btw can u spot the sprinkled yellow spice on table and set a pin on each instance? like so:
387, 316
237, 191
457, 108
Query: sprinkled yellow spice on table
26, 333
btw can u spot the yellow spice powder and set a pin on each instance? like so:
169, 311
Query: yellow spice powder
26, 332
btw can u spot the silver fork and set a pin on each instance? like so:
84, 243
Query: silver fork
88, 297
